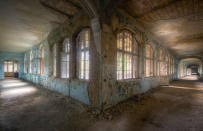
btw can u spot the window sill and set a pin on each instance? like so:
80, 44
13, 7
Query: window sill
149, 76
128, 80
82, 80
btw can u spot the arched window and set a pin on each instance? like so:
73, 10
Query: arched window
127, 56
65, 59
31, 62
83, 46
149, 61
54, 50
25, 64
41, 60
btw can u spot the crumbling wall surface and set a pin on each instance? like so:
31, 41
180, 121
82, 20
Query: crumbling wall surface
9, 56
103, 88
84, 91
114, 91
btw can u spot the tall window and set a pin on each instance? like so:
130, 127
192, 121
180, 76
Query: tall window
155, 63
127, 56
173, 66
83, 43
15, 67
167, 64
5, 66
41, 60
65, 59
25, 64
162, 64
54, 59
31, 62
149, 61
10, 66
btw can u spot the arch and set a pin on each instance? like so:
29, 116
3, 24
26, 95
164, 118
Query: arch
83, 50
127, 55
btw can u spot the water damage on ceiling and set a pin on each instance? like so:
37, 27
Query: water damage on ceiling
178, 24
25, 23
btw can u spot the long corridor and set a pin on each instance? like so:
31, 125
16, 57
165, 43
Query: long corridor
178, 107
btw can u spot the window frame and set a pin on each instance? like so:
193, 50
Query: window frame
66, 49
54, 60
25, 64
161, 62
41, 60
86, 50
151, 59
31, 62
133, 53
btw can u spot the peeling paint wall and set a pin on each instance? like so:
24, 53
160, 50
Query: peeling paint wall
102, 89
114, 91
9, 56
84, 91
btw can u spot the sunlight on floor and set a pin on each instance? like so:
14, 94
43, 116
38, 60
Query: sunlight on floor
14, 88
187, 88
191, 77
14, 84
18, 92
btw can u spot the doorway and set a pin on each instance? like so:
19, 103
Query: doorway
11, 69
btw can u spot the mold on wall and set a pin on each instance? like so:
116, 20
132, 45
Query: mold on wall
114, 91
9, 56
102, 89
84, 91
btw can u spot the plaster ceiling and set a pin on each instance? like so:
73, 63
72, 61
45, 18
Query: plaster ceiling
177, 24
24, 23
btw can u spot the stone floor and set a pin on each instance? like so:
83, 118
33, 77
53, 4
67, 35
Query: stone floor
177, 107
25, 107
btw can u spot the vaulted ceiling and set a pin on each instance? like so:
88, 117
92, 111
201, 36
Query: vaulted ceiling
24, 23
177, 24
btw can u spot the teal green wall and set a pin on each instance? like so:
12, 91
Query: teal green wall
9, 56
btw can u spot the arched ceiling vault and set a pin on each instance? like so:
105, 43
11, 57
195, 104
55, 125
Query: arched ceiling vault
177, 24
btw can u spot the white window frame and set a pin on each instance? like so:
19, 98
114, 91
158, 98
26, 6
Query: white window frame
31, 62
83, 54
127, 68
151, 59
54, 49
65, 59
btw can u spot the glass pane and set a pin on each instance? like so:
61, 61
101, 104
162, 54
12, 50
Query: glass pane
135, 48
5, 67
151, 67
119, 40
15, 67
127, 42
147, 67
127, 66
119, 65
147, 51
87, 33
10, 66
63, 69
135, 66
